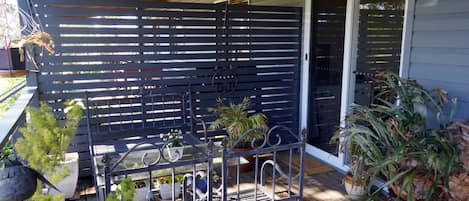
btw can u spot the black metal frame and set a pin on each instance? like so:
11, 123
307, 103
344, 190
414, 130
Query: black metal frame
188, 120
272, 142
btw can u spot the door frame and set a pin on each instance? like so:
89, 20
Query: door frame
350, 44
349, 66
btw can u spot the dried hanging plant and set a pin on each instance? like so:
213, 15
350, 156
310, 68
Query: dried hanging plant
42, 39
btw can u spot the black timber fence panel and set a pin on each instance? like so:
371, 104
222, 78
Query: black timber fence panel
113, 49
380, 40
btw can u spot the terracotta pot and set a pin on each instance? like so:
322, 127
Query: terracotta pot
243, 168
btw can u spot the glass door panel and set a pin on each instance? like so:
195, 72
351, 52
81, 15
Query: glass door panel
379, 44
327, 53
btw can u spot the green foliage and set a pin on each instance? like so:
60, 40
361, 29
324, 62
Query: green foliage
7, 151
38, 196
169, 179
176, 138
236, 119
391, 138
125, 191
45, 141
5, 85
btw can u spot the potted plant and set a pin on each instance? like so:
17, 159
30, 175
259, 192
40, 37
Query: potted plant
394, 142
15, 36
166, 186
124, 192
174, 149
355, 180
44, 144
141, 190
236, 120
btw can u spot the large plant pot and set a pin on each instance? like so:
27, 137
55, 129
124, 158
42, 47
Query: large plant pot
166, 191
353, 189
243, 168
68, 185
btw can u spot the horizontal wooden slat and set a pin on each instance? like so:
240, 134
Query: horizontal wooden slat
153, 57
153, 48
157, 73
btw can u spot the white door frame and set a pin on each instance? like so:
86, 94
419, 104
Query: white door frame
349, 66
349, 63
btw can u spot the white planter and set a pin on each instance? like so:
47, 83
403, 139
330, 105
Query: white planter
166, 191
141, 194
68, 185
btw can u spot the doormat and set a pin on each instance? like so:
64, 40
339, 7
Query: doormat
311, 165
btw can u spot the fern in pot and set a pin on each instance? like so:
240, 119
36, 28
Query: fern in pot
236, 120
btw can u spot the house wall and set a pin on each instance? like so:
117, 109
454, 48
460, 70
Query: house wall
439, 51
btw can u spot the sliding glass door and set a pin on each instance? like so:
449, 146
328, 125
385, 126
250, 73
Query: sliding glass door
350, 42
326, 71
379, 44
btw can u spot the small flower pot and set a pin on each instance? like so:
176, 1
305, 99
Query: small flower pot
141, 193
173, 153
166, 191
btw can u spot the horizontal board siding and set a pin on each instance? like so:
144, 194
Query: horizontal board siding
113, 49
444, 22
425, 7
440, 49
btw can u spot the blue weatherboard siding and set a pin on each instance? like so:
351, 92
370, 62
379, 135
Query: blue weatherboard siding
440, 48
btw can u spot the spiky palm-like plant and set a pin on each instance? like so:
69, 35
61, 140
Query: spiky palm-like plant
392, 138
236, 119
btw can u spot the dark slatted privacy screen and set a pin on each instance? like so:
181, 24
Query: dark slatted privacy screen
380, 36
113, 49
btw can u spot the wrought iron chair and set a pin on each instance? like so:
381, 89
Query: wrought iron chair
121, 128
135, 127
277, 140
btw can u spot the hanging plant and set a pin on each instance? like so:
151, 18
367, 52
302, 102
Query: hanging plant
19, 28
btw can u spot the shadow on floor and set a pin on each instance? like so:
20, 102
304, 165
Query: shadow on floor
321, 182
